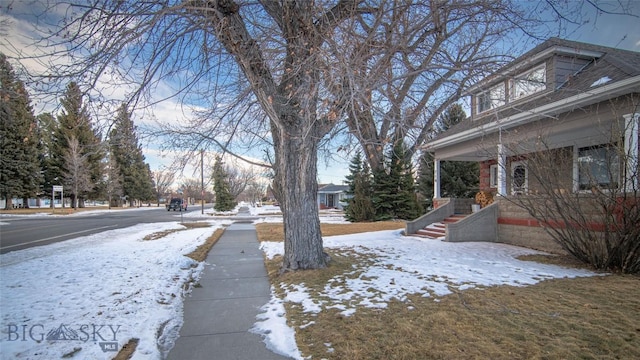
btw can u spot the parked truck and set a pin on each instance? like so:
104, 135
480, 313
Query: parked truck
178, 204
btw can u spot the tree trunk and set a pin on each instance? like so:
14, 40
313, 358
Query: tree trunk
8, 204
363, 126
296, 180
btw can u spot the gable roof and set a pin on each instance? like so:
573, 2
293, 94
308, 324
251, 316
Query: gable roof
610, 73
332, 188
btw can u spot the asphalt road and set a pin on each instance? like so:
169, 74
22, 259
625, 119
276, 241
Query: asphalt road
21, 232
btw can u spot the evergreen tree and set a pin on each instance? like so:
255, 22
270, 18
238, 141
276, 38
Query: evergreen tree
360, 206
113, 184
75, 122
394, 188
451, 117
19, 152
384, 194
224, 199
149, 189
458, 179
46, 129
409, 208
135, 175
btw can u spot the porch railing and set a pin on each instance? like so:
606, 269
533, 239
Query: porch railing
445, 210
479, 226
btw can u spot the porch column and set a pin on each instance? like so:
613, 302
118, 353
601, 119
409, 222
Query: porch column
631, 151
502, 171
436, 179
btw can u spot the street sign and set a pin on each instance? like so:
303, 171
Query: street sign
57, 187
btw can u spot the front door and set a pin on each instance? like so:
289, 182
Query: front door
331, 200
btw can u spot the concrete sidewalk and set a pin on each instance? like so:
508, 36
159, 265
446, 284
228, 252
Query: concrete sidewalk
218, 315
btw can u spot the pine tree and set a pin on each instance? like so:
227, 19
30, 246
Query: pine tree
46, 129
74, 121
410, 208
135, 175
384, 195
224, 199
113, 185
394, 188
19, 153
458, 179
360, 206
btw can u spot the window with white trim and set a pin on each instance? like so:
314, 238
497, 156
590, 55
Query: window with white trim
528, 83
598, 166
493, 176
491, 99
519, 178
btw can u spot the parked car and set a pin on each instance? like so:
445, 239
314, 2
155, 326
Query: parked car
177, 204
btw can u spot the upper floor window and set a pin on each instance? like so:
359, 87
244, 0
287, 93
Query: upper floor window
491, 99
528, 83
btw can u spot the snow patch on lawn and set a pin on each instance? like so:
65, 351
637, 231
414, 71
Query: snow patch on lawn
105, 288
411, 265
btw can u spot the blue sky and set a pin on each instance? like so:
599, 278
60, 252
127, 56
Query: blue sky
610, 30
598, 28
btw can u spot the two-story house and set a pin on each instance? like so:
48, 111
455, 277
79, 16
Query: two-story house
579, 102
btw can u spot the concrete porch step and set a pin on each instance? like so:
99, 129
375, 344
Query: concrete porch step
438, 230
433, 231
454, 218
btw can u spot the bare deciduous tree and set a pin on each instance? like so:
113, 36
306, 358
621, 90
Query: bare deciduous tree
414, 63
76, 170
255, 191
163, 179
190, 188
239, 179
596, 218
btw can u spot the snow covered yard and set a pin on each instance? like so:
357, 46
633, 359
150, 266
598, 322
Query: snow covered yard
394, 266
90, 295
408, 265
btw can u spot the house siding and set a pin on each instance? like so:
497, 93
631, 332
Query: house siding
565, 67
517, 227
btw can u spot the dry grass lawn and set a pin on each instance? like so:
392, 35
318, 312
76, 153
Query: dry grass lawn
188, 225
201, 252
582, 318
275, 231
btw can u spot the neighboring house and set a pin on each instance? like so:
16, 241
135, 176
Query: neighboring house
577, 99
332, 196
